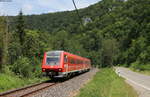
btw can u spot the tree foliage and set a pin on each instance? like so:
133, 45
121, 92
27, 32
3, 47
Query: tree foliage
119, 33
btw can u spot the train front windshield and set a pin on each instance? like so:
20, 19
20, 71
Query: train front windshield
53, 58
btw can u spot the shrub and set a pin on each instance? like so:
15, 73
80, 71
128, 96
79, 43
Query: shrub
135, 65
7, 70
138, 66
37, 68
37, 72
23, 67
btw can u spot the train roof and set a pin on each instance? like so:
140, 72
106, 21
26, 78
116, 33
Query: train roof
59, 51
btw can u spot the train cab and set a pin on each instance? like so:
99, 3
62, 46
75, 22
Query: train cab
52, 63
63, 64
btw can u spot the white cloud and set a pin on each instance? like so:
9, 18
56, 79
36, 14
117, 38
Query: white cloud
41, 6
27, 8
54, 4
44, 2
85, 3
63, 5
2, 10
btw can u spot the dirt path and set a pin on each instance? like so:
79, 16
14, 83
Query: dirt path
140, 82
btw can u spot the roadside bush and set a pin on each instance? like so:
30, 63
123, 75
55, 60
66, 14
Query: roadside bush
138, 66
135, 65
23, 67
124, 65
38, 72
37, 68
7, 70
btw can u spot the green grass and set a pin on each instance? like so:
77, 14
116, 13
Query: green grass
146, 72
8, 82
107, 84
137, 67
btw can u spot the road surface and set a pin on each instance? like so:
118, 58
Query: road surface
140, 82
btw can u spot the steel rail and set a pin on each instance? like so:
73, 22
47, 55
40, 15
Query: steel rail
38, 90
12, 92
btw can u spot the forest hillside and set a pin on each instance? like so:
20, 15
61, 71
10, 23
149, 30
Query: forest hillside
110, 32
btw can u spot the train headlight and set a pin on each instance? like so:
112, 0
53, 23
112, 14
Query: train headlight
59, 69
43, 70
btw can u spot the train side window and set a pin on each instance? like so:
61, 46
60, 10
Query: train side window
80, 62
75, 61
71, 61
87, 62
65, 59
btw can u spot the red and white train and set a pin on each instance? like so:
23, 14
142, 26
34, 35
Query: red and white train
64, 64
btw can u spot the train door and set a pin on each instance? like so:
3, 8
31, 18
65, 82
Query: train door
66, 63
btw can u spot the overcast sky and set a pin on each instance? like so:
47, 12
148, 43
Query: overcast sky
40, 6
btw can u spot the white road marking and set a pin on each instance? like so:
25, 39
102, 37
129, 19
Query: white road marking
147, 88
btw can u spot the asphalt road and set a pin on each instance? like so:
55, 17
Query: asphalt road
140, 82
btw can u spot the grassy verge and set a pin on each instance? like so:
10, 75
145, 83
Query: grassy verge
107, 84
146, 72
8, 82
141, 68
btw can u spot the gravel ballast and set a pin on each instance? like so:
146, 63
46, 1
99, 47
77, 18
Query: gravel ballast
68, 88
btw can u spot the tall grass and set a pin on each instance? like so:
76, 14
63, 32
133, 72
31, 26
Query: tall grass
107, 84
137, 67
8, 82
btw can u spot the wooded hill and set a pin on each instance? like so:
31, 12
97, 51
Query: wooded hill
117, 33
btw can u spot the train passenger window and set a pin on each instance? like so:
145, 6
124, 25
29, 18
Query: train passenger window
86, 62
65, 59
80, 62
72, 61
77, 61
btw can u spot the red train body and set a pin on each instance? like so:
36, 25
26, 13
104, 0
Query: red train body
63, 64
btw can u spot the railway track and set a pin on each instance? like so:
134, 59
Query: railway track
29, 90
33, 89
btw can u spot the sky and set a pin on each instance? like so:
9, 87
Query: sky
40, 6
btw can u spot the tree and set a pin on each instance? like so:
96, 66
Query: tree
118, 34
59, 41
20, 30
109, 52
3, 42
2, 29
